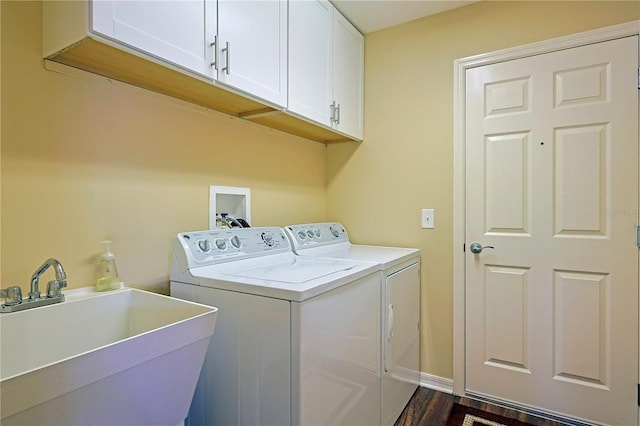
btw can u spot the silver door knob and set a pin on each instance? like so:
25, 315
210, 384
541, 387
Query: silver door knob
477, 248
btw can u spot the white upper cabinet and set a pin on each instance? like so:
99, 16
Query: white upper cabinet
177, 31
348, 77
311, 59
252, 47
326, 58
232, 56
244, 46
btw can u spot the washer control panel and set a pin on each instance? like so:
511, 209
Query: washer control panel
221, 244
315, 234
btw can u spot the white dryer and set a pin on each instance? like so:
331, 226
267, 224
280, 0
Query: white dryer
297, 338
399, 271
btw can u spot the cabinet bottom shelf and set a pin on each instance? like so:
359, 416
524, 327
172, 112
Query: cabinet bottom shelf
101, 58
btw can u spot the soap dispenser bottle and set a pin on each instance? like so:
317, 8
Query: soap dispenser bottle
107, 273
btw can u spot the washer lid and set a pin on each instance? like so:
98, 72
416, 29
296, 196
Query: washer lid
297, 271
282, 276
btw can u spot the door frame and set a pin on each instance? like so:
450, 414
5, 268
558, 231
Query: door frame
459, 161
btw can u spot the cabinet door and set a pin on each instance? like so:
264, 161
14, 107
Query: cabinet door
311, 59
252, 39
348, 63
177, 31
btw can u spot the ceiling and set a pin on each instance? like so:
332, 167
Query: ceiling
373, 15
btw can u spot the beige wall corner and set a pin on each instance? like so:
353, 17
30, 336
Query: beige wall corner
405, 163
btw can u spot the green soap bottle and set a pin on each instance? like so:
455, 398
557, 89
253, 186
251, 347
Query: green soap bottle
107, 272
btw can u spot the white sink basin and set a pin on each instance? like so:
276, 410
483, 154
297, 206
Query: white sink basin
126, 357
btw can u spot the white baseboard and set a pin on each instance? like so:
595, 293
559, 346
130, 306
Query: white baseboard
436, 383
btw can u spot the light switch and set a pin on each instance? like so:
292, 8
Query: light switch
428, 218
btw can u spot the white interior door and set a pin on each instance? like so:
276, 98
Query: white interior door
552, 184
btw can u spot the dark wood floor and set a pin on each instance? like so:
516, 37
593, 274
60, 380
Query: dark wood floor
428, 407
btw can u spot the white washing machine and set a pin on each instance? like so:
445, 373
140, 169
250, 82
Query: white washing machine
399, 272
297, 339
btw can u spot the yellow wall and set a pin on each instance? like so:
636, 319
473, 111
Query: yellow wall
85, 159
405, 163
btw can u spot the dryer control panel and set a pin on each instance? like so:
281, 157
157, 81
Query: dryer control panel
221, 245
316, 234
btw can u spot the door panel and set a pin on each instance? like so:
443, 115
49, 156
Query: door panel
581, 193
506, 338
507, 199
552, 184
582, 310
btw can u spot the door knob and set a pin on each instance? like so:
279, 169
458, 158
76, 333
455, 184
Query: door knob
477, 248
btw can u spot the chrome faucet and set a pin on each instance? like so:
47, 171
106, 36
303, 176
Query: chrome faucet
53, 287
13, 295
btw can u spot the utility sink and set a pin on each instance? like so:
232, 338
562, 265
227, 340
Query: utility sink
125, 357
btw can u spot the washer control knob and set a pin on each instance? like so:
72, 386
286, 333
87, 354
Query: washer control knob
204, 245
221, 244
235, 242
334, 231
267, 238
317, 232
302, 235
310, 233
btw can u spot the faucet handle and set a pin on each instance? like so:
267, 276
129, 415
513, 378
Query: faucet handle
12, 295
54, 287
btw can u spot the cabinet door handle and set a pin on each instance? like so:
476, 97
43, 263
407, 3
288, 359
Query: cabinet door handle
338, 114
214, 64
227, 49
332, 108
